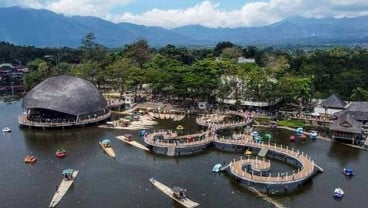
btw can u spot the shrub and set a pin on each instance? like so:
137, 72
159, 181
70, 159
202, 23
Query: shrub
291, 123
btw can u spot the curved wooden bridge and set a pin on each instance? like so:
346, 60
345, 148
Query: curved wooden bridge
175, 146
306, 170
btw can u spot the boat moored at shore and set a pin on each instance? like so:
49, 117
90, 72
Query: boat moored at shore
217, 168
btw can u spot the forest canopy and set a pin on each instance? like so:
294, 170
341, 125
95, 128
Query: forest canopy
295, 75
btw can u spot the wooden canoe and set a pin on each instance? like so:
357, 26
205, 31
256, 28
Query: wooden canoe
109, 150
62, 189
132, 142
166, 190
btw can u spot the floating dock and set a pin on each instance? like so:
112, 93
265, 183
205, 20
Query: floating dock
133, 143
166, 190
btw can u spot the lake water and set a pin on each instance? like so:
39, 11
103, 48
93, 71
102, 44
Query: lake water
123, 182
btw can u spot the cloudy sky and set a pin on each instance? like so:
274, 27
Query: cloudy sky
210, 13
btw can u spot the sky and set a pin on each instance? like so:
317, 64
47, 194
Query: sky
209, 13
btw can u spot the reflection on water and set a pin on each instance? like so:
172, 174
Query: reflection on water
123, 182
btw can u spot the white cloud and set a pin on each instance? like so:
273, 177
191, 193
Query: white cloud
98, 8
207, 13
251, 14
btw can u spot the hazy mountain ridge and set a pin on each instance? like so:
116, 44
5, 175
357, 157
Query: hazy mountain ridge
44, 28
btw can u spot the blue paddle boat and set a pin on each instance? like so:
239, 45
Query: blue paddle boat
313, 135
348, 172
217, 168
338, 193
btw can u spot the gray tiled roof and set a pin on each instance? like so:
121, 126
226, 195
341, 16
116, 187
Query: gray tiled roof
65, 94
333, 102
346, 123
358, 110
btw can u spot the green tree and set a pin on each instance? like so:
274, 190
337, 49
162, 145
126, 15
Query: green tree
359, 94
139, 52
120, 72
221, 46
231, 54
295, 89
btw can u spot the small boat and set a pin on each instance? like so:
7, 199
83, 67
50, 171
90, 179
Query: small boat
303, 137
248, 152
179, 127
313, 135
292, 138
254, 134
217, 168
69, 176
60, 153
29, 159
128, 137
258, 139
348, 172
106, 146
338, 193
267, 136
176, 193
299, 131
142, 132
6, 129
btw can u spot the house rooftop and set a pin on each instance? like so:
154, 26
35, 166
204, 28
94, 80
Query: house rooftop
358, 111
333, 102
346, 123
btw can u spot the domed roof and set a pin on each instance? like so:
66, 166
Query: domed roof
65, 94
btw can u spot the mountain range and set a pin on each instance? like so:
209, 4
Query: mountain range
43, 28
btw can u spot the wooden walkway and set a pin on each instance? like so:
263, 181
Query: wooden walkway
244, 140
133, 143
191, 135
306, 171
166, 190
210, 135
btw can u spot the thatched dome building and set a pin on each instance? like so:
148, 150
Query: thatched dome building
65, 99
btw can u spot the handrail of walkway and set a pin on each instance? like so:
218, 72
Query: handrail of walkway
22, 119
307, 164
304, 172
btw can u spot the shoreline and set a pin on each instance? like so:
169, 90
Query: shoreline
318, 137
